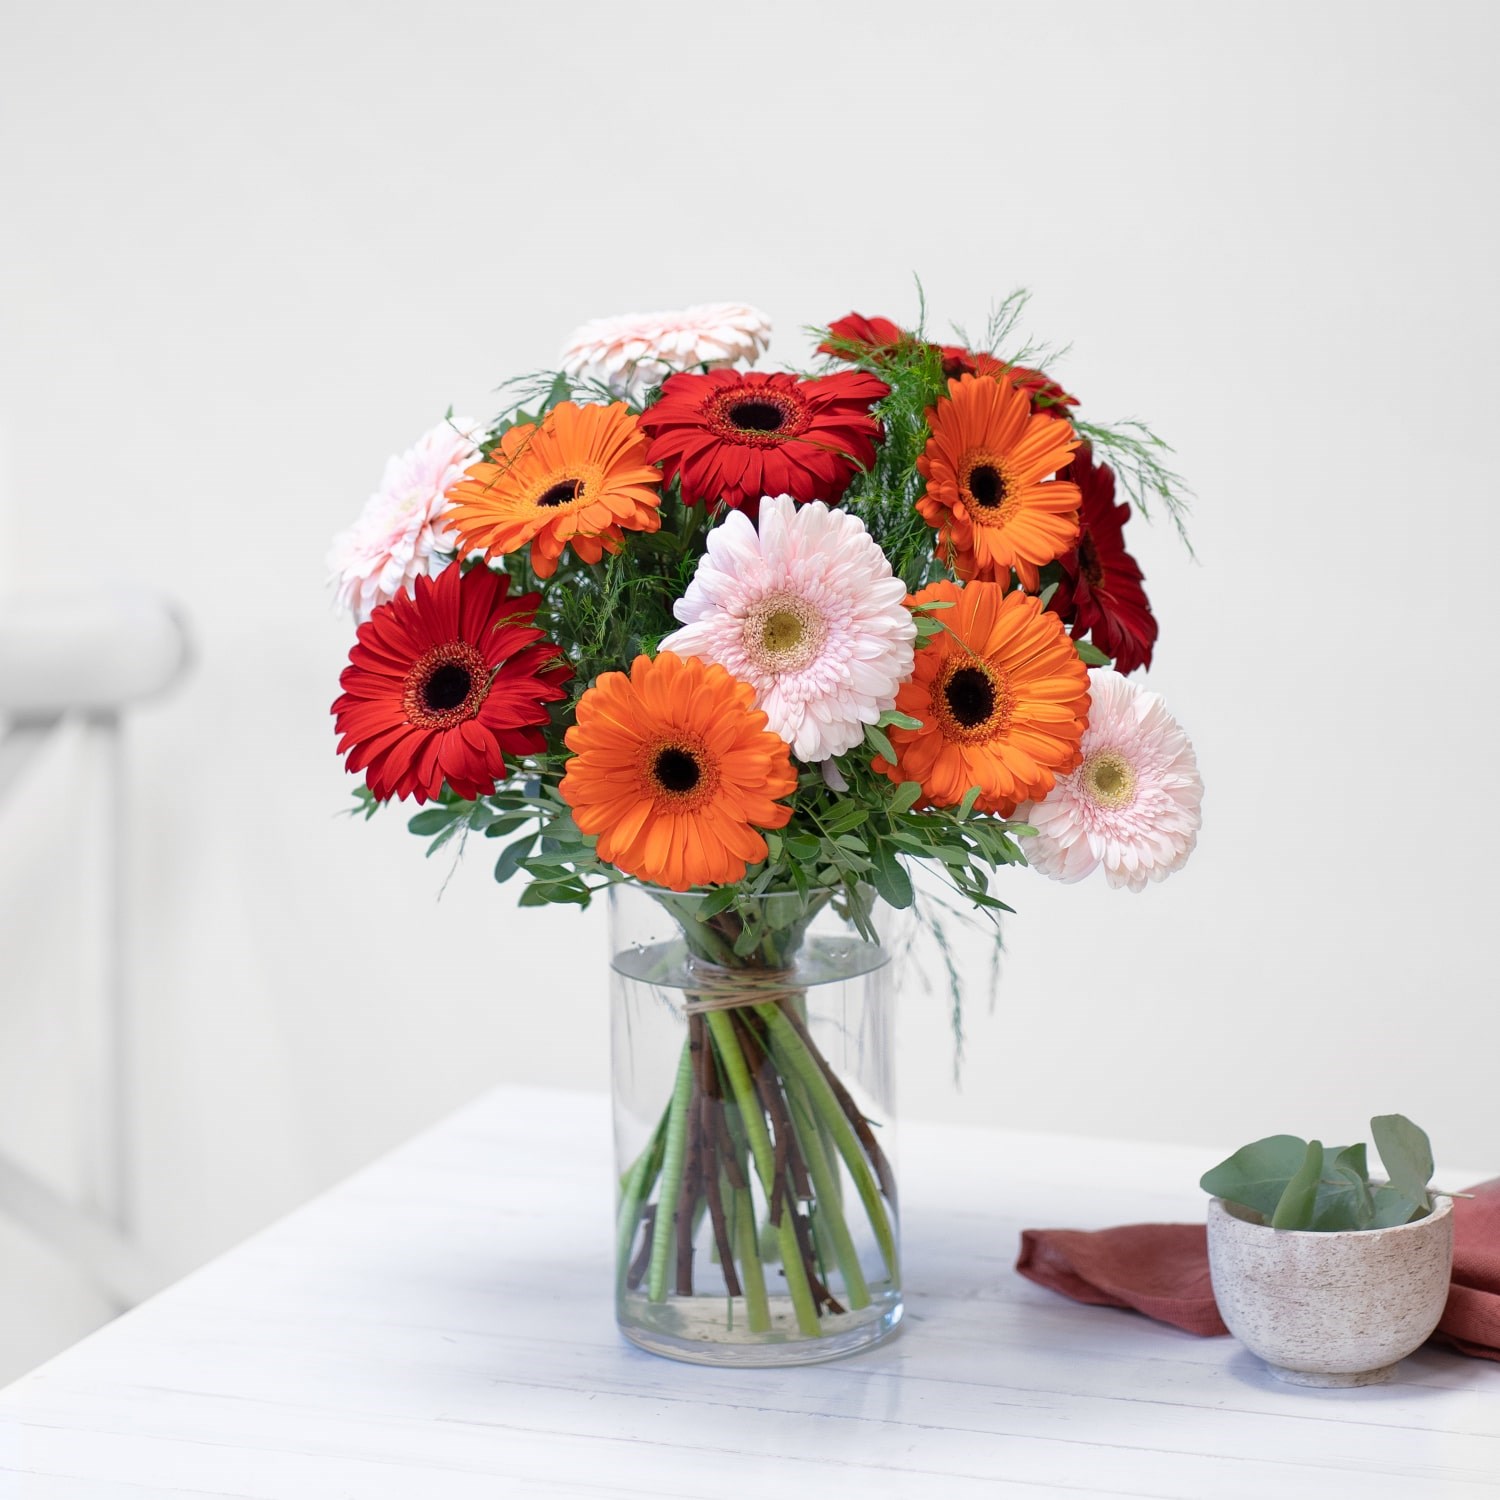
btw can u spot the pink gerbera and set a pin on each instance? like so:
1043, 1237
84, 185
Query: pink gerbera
805, 609
1133, 805
401, 534
630, 355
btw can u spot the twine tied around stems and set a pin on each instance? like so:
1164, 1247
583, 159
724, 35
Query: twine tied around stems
717, 988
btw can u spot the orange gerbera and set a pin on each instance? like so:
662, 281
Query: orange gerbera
581, 478
987, 492
674, 769
1003, 698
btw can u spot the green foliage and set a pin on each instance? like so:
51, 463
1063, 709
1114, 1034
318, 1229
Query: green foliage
1297, 1184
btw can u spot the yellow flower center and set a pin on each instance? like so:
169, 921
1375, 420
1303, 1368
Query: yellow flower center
1109, 779
782, 633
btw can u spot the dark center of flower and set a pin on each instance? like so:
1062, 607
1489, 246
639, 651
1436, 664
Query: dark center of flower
563, 493
986, 485
757, 416
676, 770
447, 687
971, 696
447, 684
1089, 564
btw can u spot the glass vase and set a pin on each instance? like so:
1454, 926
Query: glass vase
754, 1125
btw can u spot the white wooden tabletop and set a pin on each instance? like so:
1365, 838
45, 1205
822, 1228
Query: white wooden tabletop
440, 1328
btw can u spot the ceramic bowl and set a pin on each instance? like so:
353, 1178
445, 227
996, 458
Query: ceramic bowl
1330, 1309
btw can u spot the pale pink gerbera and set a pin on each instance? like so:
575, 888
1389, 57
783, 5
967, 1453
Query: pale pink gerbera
400, 534
629, 355
1133, 806
807, 611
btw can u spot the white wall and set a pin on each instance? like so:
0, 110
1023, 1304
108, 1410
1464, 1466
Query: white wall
249, 250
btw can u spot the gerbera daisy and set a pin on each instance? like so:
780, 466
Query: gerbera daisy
807, 611
988, 494
402, 533
579, 479
629, 355
879, 337
1135, 803
674, 769
1101, 594
1044, 393
443, 685
875, 336
1002, 696
733, 437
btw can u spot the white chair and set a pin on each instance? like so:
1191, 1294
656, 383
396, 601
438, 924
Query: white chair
88, 657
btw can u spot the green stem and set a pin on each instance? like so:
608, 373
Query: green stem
793, 1058
752, 1276
671, 1177
636, 1187
828, 1218
765, 1166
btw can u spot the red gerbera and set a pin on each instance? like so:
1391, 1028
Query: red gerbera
879, 336
1101, 594
443, 685
874, 335
736, 436
1045, 393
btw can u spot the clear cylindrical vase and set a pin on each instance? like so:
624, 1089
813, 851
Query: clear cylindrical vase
754, 1124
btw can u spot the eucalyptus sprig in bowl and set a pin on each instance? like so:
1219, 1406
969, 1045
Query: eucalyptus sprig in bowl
1329, 1276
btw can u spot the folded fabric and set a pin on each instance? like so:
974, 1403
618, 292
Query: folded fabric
1162, 1270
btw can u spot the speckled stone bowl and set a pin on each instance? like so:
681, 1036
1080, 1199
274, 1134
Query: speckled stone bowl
1330, 1309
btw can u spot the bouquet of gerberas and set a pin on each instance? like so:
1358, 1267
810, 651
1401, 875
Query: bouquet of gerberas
748, 644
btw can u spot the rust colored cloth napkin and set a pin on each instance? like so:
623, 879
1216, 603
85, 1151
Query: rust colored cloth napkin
1162, 1270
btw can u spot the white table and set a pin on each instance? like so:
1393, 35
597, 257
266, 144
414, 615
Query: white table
439, 1328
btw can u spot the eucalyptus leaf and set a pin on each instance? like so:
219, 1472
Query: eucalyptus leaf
1406, 1154
1256, 1175
1294, 1209
1392, 1207
1344, 1193
1091, 655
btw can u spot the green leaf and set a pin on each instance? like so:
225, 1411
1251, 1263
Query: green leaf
432, 820
1392, 1207
1344, 1200
1045, 597
965, 807
1294, 1210
511, 856
506, 822
1257, 1175
1091, 655
899, 719
908, 794
888, 876
715, 902
803, 846
876, 740
1406, 1154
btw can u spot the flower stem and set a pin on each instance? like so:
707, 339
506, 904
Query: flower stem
830, 1219
757, 1308
671, 1177
760, 1145
794, 1059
